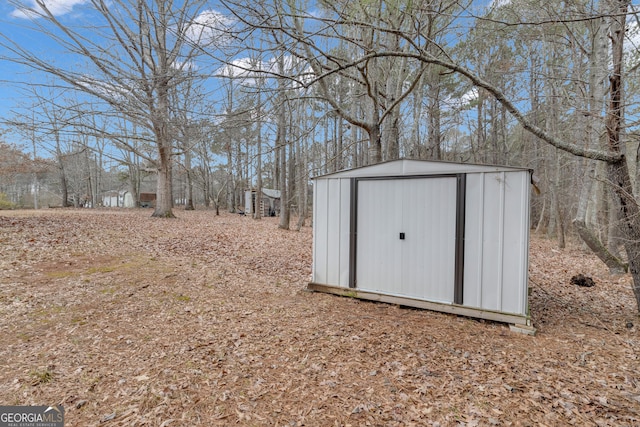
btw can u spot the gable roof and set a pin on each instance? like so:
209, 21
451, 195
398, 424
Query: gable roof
406, 167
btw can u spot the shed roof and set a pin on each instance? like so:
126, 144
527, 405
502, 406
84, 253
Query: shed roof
274, 194
269, 192
406, 167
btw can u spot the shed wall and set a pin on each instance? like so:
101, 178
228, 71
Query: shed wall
331, 218
496, 241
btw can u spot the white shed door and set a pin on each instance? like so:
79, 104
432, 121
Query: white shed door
406, 237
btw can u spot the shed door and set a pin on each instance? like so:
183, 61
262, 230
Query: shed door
406, 234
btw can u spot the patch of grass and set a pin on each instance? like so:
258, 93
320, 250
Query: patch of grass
183, 298
59, 274
24, 337
79, 321
5, 203
126, 262
41, 376
92, 381
47, 312
102, 269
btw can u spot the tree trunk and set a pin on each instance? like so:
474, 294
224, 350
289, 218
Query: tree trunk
541, 218
613, 225
134, 181
375, 144
618, 172
629, 213
560, 212
229, 183
284, 194
328, 164
187, 165
164, 203
62, 173
434, 142
64, 189
478, 153
393, 135
257, 214
414, 141
340, 142
302, 184
164, 191
615, 265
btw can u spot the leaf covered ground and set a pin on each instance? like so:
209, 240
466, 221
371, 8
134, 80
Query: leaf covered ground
204, 320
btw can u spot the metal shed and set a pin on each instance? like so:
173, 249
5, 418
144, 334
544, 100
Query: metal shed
442, 236
269, 203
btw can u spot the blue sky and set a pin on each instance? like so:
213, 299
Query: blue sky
17, 81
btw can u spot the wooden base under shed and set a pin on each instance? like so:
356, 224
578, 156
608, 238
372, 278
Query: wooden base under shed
517, 323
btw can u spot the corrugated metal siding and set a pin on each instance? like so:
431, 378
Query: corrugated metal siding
516, 241
421, 265
428, 253
331, 199
474, 236
320, 219
378, 246
495, 253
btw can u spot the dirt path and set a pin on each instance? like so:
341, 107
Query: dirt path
204, 321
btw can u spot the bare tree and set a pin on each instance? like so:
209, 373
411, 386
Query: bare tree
134, 52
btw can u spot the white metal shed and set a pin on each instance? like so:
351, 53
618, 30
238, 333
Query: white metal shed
443, 236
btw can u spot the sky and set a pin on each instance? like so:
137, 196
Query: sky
17, 81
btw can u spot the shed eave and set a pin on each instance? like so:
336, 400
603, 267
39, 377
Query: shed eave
408, 167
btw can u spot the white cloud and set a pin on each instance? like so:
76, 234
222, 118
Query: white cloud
463, 101
104, 90
248, 71
185, 66
32, 8
210, 27
498, 3
244, 69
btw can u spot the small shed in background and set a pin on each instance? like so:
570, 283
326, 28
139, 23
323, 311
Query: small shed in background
443, 236
269, 203
147, 200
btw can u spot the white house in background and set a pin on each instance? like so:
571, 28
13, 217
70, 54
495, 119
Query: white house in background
442, 236
111, 199
118, 199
